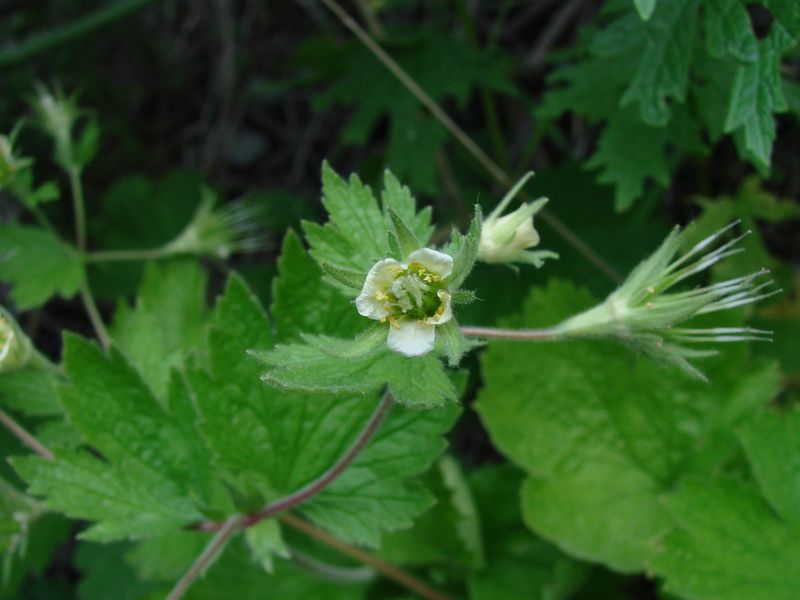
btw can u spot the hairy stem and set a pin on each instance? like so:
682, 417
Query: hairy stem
125, 255
399, 576
319, 484
210, 552
461, 136
39, 43
547, 334
89, 304
23, 436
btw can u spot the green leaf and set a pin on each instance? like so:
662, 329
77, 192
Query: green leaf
628, 166
454, 345
126, 502
664, 68
37, 265
519, 565
366, 343
354, 238
88, 143
757, 93
374, 494
645, 8
602, 435
167, 321
788, 14
727, 544
105, 575
30, 391
464, 250
728, 30
406, 239
420, 381
350, 279
449, 533
303, 301
772, 443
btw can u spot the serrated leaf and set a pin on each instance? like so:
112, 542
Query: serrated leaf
303, 301
366, 343
728, 30
126, 502
167, 321
628, 167
598, 466
757, 93
349, 279
788, 14
663, 72
464, 250
37, 265
406, 240
355, 237
419, 381
727, 544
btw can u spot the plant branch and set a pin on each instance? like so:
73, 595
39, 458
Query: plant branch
39, 43
76, 187
125, 255
399, 576
324, 480
545, 335
23, 436
332, 572
210, 552
463, 138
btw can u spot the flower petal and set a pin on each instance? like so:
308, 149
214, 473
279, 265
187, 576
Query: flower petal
411, 338
379, 279
433, 260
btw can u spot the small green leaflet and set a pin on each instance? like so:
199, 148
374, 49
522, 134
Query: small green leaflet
603, 435
728, 31
37, 265
354, 238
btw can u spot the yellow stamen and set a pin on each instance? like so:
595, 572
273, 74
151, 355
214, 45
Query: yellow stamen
393, 322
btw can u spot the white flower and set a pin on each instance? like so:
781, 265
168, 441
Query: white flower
412, 296
506, 239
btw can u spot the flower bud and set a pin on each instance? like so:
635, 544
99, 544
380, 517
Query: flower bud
15, 347
57, 114
643, 315
508, 238
11, 165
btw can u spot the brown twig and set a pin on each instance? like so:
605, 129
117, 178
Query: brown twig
23, 436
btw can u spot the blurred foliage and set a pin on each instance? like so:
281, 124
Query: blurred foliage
598, 476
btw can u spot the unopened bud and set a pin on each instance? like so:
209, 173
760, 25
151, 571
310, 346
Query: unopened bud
15, 347
508, 238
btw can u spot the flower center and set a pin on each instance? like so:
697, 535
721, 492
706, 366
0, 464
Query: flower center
413, 294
